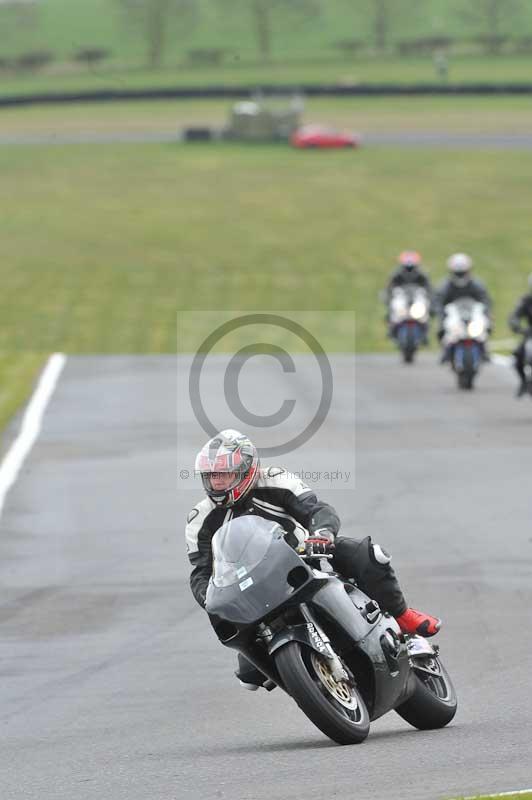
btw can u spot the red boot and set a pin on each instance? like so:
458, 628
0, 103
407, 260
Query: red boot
412, 621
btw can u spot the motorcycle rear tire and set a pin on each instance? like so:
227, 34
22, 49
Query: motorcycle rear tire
424, 709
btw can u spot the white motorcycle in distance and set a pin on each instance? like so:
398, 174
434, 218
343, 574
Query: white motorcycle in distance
409, 313
466, 327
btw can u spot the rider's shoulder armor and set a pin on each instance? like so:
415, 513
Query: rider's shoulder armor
279, 478
195, 519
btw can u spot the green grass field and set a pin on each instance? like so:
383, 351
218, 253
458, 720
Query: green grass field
122, 235
103, 244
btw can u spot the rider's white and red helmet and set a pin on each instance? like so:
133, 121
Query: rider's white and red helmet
409, 259
459, 263
229, 451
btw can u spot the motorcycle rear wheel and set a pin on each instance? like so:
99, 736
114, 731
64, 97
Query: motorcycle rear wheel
433, 703
337, 709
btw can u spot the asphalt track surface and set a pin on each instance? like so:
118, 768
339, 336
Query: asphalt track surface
112, 684
415, 139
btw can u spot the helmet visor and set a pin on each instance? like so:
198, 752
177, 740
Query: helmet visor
217, 457
222, 482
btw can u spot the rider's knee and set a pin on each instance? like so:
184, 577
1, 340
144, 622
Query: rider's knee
361, 559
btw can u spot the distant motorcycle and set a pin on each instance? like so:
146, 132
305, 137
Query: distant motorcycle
321, 639
466, 329
528, 362
409, 312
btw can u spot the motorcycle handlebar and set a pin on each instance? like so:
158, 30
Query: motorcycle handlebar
307, 557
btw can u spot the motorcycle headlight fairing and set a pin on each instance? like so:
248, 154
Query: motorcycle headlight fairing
418, 310
476, 328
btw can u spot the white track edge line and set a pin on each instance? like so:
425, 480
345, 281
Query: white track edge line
31, 425
501, 361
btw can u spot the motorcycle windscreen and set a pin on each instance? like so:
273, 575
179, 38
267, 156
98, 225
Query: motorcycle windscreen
252, 565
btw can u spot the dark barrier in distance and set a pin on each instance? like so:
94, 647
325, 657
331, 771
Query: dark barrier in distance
236, 92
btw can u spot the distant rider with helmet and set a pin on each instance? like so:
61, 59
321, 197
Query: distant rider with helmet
236, 485
459, 284
522, 313
408, 272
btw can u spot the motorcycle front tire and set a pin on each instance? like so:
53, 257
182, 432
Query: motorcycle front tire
294, 665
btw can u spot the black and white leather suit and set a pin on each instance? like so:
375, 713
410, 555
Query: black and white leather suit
284, 498
449, 292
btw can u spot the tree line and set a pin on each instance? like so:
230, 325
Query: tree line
160, 23
154, 18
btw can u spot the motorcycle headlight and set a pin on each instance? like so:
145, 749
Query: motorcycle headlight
475, 328
418, 310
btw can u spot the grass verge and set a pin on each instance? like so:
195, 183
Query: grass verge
505, 795
18, 372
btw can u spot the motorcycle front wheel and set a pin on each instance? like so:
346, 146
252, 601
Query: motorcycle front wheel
335, 707
465, 371
409, 355
433, 703
466, 380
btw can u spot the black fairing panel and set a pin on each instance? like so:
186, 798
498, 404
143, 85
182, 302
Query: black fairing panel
346, 611
269, 588
333, 601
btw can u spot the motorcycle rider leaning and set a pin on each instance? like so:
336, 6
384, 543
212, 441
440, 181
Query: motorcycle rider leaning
459, 284
522, 313
236, 485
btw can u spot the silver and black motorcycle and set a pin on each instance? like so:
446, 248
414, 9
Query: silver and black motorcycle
318, 637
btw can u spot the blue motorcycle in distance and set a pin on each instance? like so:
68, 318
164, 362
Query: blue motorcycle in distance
409, 314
